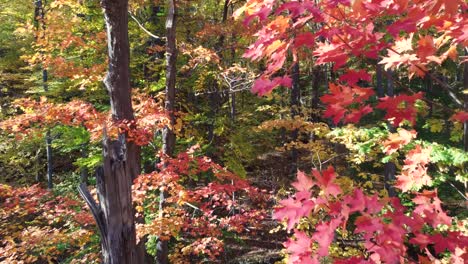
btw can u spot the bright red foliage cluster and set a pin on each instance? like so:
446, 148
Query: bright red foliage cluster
411, 36
34, 224
388, 231
400, 108
395, 33
347, 103
204, 200
149, 117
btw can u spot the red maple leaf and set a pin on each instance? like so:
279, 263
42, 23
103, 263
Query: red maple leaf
324, 235
296, 9
303, 183
263, 86
422, 240
352, 76
342, 99
426, 48
330, 52
355, 115
400, 107
406, 25
325, 181
429, 207
450, 242
368, 226
450, 6
389, 244
294, 208
358, 202
414, 172
300, 249
304, 39
395, 60
461, 116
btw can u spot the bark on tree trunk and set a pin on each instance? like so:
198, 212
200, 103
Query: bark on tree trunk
39, 16
117, 80
50, 163
428, 86
219, 45
233, 106
171, 56
317, 78
379, 84
295, 103
465, 102
115, 213
219, 48
390, 167
162, 253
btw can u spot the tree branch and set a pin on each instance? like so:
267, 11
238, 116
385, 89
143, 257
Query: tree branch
143, 28
95, 210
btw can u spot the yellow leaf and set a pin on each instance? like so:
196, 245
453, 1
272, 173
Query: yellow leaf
277, 44
451, 53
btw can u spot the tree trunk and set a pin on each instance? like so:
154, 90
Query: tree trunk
233, 106
39, 16
390, 167
219, 48
50, 163
115, 214
465, 102
379, 84
219, 45
162, 253
317, 78
428, 86
295, 103
117, 80
171, 56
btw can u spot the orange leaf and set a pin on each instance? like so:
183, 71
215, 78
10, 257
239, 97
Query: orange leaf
396, 141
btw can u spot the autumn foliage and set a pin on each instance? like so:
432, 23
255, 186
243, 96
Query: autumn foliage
150, 117
204, 202
57, 228
411, 37
320, 214
356, 31
358, 160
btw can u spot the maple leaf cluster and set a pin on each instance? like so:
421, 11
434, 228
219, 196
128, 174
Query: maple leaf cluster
149, 118
346, 103
387, 229
414, 172
47, 221
69, 48
203, 200
394, 33
400, 108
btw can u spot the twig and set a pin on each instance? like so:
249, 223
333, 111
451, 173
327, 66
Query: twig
143, 28
451, 184
331, 158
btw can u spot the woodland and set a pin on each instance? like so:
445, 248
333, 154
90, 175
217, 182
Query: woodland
233, 131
